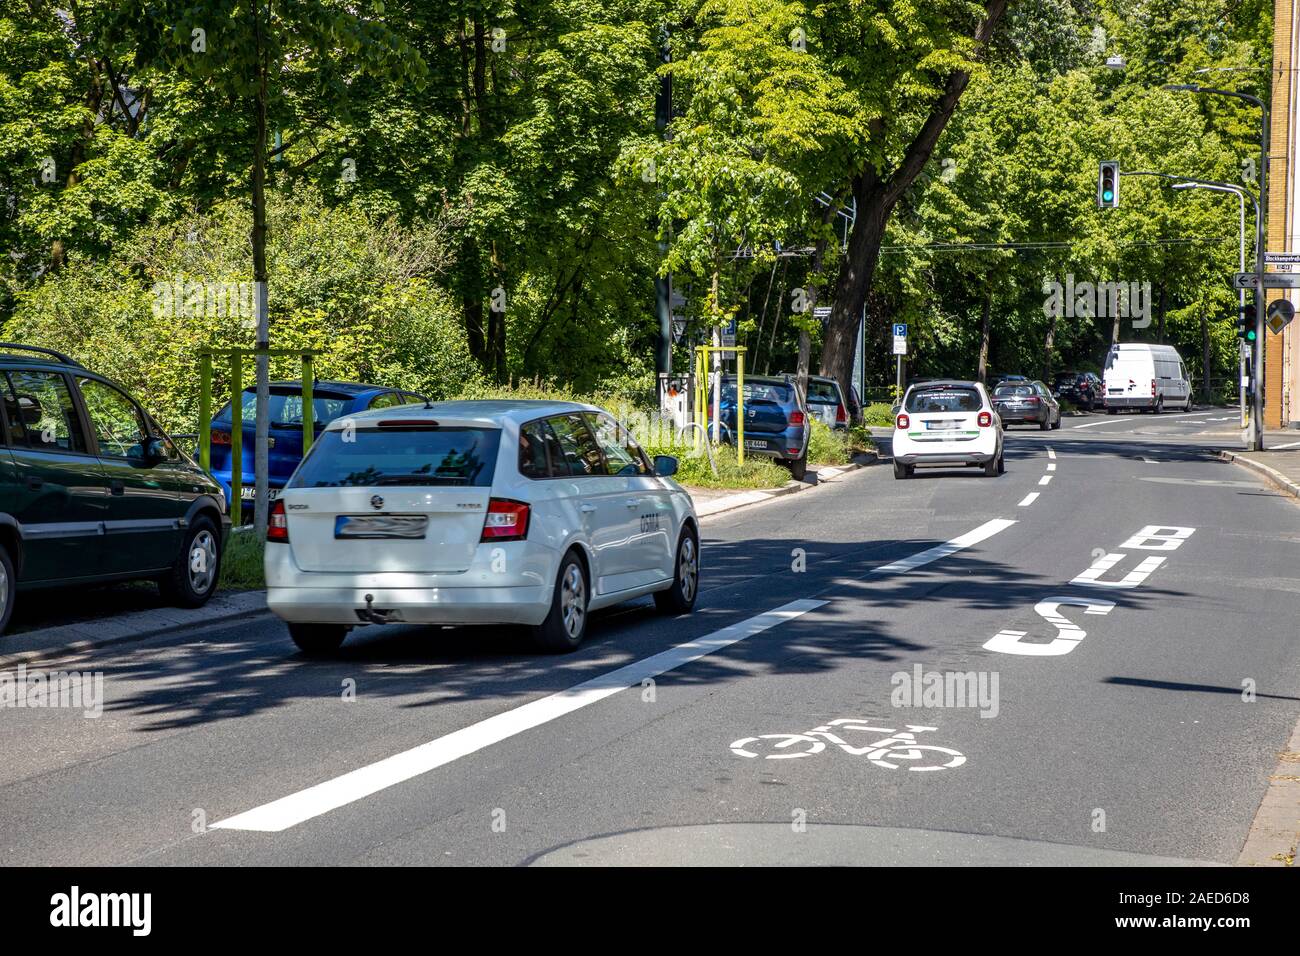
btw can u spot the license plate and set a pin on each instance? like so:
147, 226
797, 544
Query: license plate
755, 443
247, 492
380, 526
941, 426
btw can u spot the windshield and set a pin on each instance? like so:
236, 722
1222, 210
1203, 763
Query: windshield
400, 456
944, 399
286, 408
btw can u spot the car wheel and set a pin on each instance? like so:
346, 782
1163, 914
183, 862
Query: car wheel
1046, 423
991, 468
8, 588
193, 575
901, 470
1109, 410
1002, 463
1160, 406
318, 640
566, 624
1057, 423
798, 467
680, 598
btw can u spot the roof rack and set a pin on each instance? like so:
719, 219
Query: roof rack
64, 359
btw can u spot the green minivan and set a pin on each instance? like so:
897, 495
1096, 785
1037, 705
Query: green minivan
92, 490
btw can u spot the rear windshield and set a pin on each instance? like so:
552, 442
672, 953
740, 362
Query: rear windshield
400, 456
1066, 377
759, 392
823, 393
286, 408
1007, 390
943, 399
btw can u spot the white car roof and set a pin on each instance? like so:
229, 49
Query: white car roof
492, 412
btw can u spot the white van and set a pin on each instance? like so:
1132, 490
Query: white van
1146, 377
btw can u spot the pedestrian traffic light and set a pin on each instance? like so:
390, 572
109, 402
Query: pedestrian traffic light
1108, 185
1246, 324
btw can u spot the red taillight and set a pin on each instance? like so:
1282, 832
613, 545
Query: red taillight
221, 438
840, 414
796, 418
277, 523
1032, 400
985, 419
903, 421
1153, 387
506, 520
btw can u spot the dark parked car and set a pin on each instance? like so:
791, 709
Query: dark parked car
92, 490
776, 421
1084, 389
330, 400
1026, 403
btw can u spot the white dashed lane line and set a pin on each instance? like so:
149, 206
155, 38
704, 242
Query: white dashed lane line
1046, 479
1029, 499
314, 801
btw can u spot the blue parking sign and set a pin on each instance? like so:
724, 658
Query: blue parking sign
900, 330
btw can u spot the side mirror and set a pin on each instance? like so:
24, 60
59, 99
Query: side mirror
157, 450
665, 466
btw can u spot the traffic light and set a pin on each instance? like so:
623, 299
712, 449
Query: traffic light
1108, 185
1246, 323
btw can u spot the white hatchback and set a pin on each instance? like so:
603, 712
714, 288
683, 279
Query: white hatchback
946, 423
491, 512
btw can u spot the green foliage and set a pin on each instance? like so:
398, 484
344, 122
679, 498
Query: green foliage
825, 446
242, 567
878, 415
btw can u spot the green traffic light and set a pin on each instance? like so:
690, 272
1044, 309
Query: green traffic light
1250, 335
1107, 195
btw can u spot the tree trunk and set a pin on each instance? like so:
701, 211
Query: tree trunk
1205, 349
876, 198
1160, 323
1047, 349
985, 320
262, 426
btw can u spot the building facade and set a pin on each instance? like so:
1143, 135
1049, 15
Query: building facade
1282, 351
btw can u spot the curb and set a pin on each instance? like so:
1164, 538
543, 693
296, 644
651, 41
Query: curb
54, 642
746, 499
1272, 474
1275, 832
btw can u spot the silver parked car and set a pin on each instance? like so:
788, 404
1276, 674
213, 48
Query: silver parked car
1029, 403
491, 512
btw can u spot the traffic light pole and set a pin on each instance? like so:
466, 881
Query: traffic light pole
1255, 433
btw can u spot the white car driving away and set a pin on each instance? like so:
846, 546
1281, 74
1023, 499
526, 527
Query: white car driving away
491, 512
947, 423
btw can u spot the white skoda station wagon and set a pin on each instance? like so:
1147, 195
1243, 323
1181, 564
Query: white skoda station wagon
489, 512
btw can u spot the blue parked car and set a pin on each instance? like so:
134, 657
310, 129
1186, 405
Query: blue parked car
330, 400
776, 420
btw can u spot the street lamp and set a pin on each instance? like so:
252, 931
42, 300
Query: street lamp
1241, 195
1255, 440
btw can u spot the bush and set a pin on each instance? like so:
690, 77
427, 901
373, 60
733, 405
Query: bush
878, 415
826, 447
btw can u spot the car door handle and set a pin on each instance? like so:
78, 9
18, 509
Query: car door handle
117, 488
587, 509
34, 482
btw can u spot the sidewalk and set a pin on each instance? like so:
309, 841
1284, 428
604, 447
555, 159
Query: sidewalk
1281, 467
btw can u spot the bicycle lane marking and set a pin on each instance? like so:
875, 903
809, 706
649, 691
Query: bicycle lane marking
314, 801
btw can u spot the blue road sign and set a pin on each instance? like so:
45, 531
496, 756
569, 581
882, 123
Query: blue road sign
900, 329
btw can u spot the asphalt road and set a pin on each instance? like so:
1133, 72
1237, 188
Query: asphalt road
460, 746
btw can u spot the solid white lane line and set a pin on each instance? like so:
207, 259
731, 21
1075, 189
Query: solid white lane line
1293, 444
1029, 499
1132, 418
323, 797
1046, 479
1051, 467
982, 533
